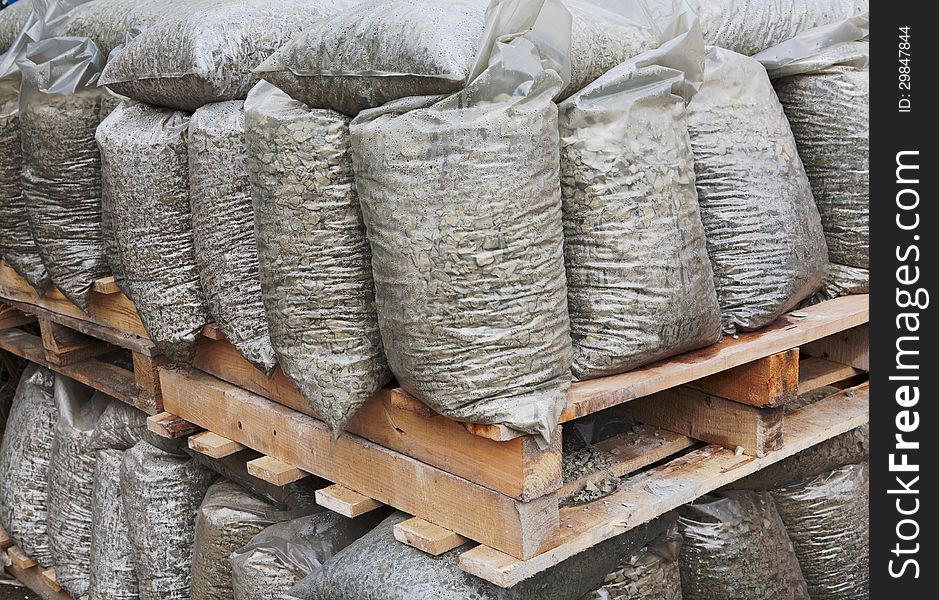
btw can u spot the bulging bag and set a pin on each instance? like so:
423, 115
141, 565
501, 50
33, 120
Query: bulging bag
112, 565
823, 83
827, 518
107, 22
764, 233
316, 277
649, 574
223, 229
146, 179
640, 284
24, 463
461, 199
205, 52
13, 19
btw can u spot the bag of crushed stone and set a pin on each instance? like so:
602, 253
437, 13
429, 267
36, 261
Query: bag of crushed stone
650, 574
315, 269
228, 518
764, 234
12, 21
283, 554
161, 493
223, 229
736, 547
107, 22
205, 53
827, 518
145, 176
639, 282
24, 463
61, 177
750, 26
468, 257
112, 566
378, 566
823, 83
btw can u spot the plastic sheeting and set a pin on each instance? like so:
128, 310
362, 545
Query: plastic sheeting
283, 554
113, 570
206, 52
24, 463
650, 574
827, 518
463, 207
379, 51
107, 22
749, 26
223, 229
822, 81
640, 284
764, 233
109, 103
145, 176
161, 493
736, 548
227, 520
315, 269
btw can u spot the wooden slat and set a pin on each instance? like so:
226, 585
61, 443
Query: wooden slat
64, 346
657, 491
518, 468
630, 452
274, 471
213, 332
816, 373
147, 381
5, 540
767, 382
426, 536
11, 317
19, 558
214, 445
170, 426
519, 528
344, 501
48, 577
851, 347
106, 285
32, 579
791, 330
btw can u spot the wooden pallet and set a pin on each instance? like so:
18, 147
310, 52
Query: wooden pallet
40, 580
496, 487
106, 347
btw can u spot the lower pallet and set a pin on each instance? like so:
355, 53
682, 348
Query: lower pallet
40, 580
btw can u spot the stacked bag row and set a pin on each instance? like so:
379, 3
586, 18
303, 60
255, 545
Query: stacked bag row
481, 200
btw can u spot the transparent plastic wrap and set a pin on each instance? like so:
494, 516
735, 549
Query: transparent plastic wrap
24, 463
109, 103
205, 53
161, 493
378, 51
61, 176
650, 574
462, 202
828, 520
223, 229
113, 570
283, 554
764, 234
106, 22
376, 566
146, 179
823, 84
639, 282
750, 26
316, 276
227, 520
12, 21
736, 548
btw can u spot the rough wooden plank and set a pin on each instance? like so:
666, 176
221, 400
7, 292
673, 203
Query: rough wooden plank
106, 285
213, 332
274, 471
32, 579
816, 373
19, 558
426, 536
344, 501
170, 426
147, 381
518, 467
214, 445
790, 331
64, 346
630, 452
521, 529
403, 400
48, 577
766, 382
657, 491
5, 540
11, 317
851, 347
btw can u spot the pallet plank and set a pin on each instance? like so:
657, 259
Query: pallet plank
850, 347
521, 529
765, 383
170, 426
11, 317
106, 285
815, 373
64, 346
427, 537
653, 493
48, 577
274, 471
344, 501
19, 558
214, 445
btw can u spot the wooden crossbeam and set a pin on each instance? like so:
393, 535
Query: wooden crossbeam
426, 536
344, 501
171, 427
214, 445
274, 471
